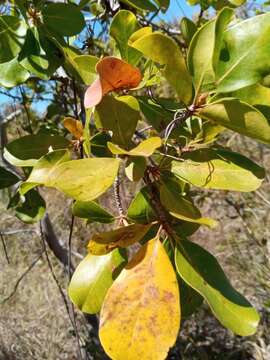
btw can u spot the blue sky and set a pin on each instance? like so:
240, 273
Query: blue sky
177, 9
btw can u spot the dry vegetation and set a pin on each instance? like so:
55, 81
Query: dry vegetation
34, 323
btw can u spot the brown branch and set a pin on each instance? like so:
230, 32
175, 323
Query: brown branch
4, 247
53, 242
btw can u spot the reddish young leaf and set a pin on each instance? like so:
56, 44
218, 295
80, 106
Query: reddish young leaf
114, 74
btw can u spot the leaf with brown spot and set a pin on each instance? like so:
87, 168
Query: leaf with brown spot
140, 316
74, 126
105, 242
114, 74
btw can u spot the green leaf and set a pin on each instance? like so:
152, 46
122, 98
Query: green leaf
86, 67
244, 57
180, 206
92, 279
26, 150
254, 95
146, 5
163, 4
163, 50
33, 58
238, 116
140, 210
91, 211
64, 19
7, 178
99, 144
145, 148
104, 242
200, 270
219, 169
84, 179
135, 168
12, 74
119, 115
12, 35
123, 25
204, 50
32, 208
188, 29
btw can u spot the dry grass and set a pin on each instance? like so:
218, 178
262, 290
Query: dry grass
34, 323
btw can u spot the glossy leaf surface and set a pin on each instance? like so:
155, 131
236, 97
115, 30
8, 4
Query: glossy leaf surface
244, 57
163, 50
92, 279
238, 116
201, 271
12, 36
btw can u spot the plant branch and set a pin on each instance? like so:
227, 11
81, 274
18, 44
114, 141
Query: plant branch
4, 247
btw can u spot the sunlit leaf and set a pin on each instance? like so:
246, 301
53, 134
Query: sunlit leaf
104, 242
245, 51
201, 271
12, 74
83, 179
219, 169
123, 25
204, 50
145, 148
26, 150
140, 316
86, 65
12, 36
238, 116
92, 279
163, 50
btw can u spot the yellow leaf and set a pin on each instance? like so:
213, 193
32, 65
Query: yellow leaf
140, 317
74, 126
145, 148
104, 242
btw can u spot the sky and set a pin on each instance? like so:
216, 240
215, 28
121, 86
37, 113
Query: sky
177, 9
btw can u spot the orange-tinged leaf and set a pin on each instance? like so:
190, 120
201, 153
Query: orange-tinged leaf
114, 74
75, 127
140, 316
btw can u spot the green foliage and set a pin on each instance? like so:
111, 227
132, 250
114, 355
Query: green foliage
167, 141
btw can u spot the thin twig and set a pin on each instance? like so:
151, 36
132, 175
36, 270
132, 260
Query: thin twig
4, 247
71, 316
30, 267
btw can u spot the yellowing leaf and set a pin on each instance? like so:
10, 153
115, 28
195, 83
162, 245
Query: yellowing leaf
75, 127
84, 179
125, 236
140, 316
145, 148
